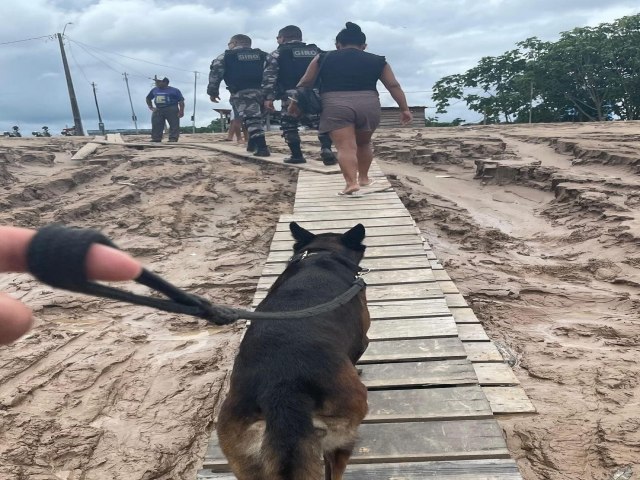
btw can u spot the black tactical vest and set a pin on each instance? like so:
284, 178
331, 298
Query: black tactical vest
293, 60
243, 68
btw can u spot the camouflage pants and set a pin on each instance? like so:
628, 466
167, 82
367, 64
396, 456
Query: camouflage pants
248, 104
289, 124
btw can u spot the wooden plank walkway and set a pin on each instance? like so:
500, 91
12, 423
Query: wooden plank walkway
435, 379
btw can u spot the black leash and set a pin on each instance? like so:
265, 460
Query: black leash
56, 256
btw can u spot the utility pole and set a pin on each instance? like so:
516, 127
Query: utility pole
531, 102
195, 90
133, 114
77, 121
95, 97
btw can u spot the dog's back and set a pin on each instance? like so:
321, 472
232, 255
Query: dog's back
295, 394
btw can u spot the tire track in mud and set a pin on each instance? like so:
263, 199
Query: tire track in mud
103, 390
557, 293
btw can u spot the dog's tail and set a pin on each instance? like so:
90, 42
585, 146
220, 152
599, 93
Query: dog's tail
291, 447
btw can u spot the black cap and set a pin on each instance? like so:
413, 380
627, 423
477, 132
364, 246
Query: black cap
165, 80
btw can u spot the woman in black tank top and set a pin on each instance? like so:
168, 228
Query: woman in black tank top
350, 103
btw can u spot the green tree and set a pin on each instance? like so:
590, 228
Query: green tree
590, 73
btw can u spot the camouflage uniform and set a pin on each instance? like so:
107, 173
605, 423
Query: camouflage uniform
246, 102
288, 123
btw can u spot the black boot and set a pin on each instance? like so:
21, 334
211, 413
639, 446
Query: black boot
251, 145
296, 154
261, 147
327, 156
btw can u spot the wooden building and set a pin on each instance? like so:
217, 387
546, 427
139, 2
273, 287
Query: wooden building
390, 117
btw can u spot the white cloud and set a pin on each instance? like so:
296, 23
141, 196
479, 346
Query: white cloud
423, 40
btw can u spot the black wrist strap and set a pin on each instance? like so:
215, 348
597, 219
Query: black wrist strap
57, 254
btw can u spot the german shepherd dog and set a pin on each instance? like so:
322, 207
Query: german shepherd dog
295, 394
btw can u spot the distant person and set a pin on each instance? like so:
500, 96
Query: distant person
285, 67
350, 102
236, 129
169, 107
241, 69
103, 263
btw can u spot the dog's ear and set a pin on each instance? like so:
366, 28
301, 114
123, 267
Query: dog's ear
354, 237
300, 235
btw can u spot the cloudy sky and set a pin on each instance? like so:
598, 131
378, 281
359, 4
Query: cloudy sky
422, 40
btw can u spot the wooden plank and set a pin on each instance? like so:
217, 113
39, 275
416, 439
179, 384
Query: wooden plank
418, 374
435, 307
456, 300
338, 207
85, 151
275, 158
414, 350
441, 275
408, 309
383, 231
411, 441
435, 264
464, 315
347, 224
412, 291
370, 242
493, 374
448, 287
482, 352
377, 264
412, 328
334, 199
495, 469
508, 400
427, 404
472, 332
326, 187
330, 196
352, 214
114, 138
385, 277
437, 440
371, 252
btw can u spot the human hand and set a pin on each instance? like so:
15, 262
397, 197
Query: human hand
268, 105
214, 98
103, 263
180, 114
406, 117
152, 108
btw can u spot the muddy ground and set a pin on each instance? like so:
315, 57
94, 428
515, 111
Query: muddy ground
544, 244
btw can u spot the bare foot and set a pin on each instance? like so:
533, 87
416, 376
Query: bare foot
368, 183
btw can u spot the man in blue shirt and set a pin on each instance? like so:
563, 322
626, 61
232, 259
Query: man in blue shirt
169, 107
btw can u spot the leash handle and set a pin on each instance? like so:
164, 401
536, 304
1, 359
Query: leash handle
57, 254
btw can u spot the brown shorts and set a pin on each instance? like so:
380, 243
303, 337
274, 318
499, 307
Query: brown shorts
341, 109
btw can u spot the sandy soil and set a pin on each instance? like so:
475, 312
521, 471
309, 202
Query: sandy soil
545, 245
546, 248
101, 390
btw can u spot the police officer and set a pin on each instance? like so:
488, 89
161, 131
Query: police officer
241, 67
285, 67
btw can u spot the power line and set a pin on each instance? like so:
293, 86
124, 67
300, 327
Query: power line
77, 64
52, 36
97, 58
132, 58
125, 67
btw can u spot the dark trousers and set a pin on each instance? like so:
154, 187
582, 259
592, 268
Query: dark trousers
170, 115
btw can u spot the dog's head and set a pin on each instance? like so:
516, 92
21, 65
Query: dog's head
348, 244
